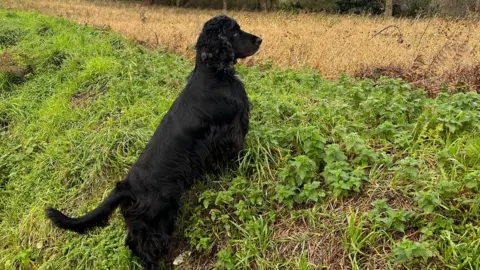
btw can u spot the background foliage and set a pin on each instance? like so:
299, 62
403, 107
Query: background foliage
400, 7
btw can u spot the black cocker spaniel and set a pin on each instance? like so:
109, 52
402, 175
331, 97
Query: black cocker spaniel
204, 130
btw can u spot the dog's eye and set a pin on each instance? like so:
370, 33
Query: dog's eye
236, 34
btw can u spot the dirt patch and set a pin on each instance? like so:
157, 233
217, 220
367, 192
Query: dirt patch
81, 100
199, 261
9, 66
465, 79
445, 70
323, 243
377, 72
3, 124
322, 247
192, 260
460, 79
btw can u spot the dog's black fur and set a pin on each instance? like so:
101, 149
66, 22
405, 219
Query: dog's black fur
203, 130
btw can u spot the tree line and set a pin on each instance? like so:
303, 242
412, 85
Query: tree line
387, 7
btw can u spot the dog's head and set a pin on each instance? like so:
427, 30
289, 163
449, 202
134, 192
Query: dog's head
222, 42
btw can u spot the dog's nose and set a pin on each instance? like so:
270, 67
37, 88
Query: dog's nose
258, 41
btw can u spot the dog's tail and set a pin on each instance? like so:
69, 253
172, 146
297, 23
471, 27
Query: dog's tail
96, 218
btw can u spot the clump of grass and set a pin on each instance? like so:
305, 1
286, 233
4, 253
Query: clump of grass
346, 174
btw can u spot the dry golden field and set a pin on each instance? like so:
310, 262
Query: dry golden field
427, 52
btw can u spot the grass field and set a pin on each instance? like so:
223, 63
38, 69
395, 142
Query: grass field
338, 174
426, 52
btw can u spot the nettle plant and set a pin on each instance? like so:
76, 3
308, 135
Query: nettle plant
301, 183
410, 251
448, 117
388, 218
407, 169
460, 112
300, 179
355, 146
219, 210
303, 174
339, 176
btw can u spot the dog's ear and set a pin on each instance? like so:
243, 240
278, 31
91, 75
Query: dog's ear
213, 46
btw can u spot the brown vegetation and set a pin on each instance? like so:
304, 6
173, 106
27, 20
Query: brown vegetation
428, 52
9, 66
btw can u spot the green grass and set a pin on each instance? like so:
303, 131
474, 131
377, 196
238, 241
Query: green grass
341, 174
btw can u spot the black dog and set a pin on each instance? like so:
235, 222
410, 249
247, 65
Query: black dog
203, 130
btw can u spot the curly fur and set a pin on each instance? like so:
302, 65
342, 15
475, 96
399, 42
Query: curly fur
204, 130
213, 46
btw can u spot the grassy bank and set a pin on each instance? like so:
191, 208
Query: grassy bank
344, 174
